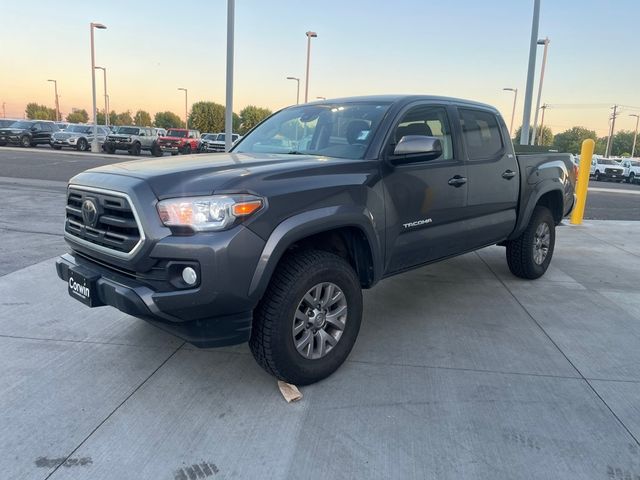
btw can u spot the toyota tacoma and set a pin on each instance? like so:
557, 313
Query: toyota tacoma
273, 242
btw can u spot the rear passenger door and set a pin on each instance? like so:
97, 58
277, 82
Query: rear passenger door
493, 176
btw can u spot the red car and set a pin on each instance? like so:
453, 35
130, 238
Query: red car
180, 140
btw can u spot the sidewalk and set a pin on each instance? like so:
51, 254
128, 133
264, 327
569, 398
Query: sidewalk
461, 371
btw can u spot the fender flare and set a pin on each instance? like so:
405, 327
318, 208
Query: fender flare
306, 224
541, 189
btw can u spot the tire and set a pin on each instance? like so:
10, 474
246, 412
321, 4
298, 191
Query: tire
82, 145
521, 252
2, 144
186, 149
25, 142
56, 147
631, 178
597, 176
156, 151
272, 340
110, 149
135, 149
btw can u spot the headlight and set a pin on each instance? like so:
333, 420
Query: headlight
217, 212
72, 139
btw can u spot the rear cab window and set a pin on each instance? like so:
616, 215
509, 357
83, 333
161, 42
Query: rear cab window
481, 134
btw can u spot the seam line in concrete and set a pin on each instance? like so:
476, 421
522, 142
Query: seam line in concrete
561, 352
18, 230
612, 245
114, 411
89, 342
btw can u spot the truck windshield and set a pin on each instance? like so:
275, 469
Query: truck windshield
127, 130
604, 161
331, 130
177, 133
79, 129
20, 124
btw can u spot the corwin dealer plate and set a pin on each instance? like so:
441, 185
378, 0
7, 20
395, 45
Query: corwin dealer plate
83, 288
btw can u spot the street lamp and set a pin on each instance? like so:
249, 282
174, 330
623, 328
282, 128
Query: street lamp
513, 111
94, 143
545, 42
106, 96
297, 89
528, 91
186, 119
635, 134
55, 86
309, 35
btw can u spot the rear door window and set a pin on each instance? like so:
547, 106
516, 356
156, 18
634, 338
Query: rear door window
481, 133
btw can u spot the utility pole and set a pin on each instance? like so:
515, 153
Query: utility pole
611, 132
635, 134
228, 108
544, 42
4, 112
543, 108
186, 108
528, 93
309, 35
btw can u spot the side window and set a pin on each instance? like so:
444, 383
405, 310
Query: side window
481, 133
426, 120
38, 126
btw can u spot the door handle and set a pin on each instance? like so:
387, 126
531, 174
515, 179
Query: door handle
457, 181
508, 174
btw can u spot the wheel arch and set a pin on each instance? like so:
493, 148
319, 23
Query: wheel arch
549, 195
342, 230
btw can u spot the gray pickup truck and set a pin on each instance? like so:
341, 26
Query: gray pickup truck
134, 140
273, 242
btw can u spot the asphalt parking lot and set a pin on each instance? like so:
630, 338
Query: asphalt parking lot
460, 371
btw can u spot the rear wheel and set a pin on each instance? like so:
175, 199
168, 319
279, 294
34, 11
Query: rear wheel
529, 255
598, 176
632, 178
308, 320
110, 148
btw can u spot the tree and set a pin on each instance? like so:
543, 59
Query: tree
546, 140
101, 119
207, 117
123, 118
570, 141
78, 116
250, 116
142, 119
622, 143
35, 111
167, 120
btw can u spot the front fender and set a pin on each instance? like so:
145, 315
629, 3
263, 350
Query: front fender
310, 223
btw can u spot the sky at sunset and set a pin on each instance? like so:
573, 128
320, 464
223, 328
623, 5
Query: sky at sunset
462, 48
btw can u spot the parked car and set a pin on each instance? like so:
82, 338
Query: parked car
4, 124
218, 145
275, 248
79, 137
28, 133
207, 140
62, 125
161, 132
180, 140
631, 171
134, 140
606, 168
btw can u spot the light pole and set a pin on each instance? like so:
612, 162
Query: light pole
309, 35
544, 42
94, 144
544, 109
528, 92
297, 88
106, 96
614, 115
186, 119
513, 110
4, 111
55, 86
228, 109
635, 134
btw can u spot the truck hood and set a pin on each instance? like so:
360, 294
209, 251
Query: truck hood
206, 174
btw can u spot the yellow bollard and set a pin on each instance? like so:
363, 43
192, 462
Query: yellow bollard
583, 181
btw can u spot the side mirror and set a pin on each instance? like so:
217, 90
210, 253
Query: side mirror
142, 134
34, 129
416, 148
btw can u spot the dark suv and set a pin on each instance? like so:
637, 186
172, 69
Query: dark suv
28, 133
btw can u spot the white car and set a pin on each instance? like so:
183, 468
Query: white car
218, 145
606, 168
631, 170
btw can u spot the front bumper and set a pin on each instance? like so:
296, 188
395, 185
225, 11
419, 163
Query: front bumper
216, 312
119, 145
171, 148
10, 139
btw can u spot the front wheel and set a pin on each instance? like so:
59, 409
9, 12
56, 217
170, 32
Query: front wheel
632, 178
598, 176
529, 255
109, 148
135, 149
307, 322
82, 145
25, 142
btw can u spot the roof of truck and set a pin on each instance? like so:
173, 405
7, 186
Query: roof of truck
398, 98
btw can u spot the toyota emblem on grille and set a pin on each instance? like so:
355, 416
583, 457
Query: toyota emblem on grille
89, 213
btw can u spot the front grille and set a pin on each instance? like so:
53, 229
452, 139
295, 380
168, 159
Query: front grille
113, 228
217, 148
613, 171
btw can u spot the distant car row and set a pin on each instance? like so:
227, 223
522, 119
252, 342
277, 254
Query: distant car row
133, 139
616, 169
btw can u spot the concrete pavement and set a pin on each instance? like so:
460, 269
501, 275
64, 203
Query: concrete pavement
460, 371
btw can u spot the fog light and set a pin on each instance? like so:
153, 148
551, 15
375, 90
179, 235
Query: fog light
189, 276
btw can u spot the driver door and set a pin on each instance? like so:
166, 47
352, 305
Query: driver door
425, 200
